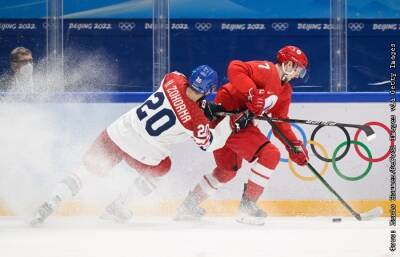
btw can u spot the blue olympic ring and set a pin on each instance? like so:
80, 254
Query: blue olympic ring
303, 135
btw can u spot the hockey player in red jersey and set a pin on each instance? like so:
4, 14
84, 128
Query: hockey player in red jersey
142, 136
263, 88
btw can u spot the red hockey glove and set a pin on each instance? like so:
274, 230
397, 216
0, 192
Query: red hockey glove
299, 154
256, 101
240, 121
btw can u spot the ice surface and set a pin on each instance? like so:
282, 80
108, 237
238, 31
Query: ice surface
211, 237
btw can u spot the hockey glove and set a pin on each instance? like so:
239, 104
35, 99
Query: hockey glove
299, 153
240, 121
211, 109
256, 102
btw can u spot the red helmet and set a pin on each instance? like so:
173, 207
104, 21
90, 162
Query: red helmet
292, 53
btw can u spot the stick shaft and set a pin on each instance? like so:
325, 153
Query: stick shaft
327, 185
367, 129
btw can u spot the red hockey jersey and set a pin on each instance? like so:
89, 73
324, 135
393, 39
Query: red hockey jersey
258, 75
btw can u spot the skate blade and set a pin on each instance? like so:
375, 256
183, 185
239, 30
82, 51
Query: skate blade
35, 222
113, 218
255, 221
187, 218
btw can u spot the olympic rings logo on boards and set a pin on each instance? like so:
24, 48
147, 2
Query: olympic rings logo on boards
322, 154
280, 26
355, 26
203, 26
126, 26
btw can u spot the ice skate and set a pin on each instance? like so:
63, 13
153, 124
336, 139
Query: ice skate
117, 212
44, 211
250, 213
189, 210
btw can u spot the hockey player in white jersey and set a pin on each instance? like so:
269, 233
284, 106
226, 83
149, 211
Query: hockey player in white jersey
142, 136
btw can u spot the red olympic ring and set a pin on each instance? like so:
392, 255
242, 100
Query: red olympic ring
379, 124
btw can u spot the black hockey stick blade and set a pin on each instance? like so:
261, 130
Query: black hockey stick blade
369, 132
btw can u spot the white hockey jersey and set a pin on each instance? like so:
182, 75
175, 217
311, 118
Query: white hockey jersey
167, 117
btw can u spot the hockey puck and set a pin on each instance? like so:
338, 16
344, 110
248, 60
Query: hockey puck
336, 219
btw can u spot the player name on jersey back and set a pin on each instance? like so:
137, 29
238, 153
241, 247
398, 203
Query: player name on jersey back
175, 97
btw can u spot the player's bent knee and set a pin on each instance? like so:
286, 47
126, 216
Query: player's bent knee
102, 155
269, 156
224, 175
151, 170
161, 169
157, 170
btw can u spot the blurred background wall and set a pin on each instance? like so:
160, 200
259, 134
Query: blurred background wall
117, 36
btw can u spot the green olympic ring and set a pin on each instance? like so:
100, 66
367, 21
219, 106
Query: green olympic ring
348, 177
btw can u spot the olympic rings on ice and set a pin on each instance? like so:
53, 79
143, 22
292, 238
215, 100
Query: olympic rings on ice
346, 133
324, 168
303, 135
370, 159
340, 174
335, 158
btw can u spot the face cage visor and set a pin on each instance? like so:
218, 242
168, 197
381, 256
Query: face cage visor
301, 70
201, 91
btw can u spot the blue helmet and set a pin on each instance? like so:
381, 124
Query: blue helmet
204, 79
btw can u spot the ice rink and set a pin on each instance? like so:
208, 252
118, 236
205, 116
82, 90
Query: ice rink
211, 237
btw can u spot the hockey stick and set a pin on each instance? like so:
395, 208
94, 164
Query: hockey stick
369, 132
371, 214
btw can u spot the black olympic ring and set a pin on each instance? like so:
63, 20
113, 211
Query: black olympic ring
348, 144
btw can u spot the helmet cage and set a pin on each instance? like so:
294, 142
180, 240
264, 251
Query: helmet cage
302, 71
201, 90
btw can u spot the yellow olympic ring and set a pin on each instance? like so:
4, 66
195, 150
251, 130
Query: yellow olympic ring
324, 168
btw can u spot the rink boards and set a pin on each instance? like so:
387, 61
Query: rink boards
45, 141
